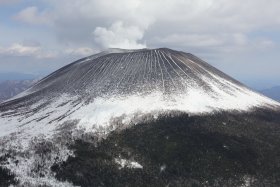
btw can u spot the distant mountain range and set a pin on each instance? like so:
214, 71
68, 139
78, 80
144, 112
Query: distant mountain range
4, 76
273, 93
10, 88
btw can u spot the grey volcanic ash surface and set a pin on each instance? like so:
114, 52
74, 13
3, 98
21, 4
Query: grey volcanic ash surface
120, 83
112, 90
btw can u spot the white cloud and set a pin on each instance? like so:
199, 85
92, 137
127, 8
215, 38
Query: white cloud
197, 40
129, 22
209, 24
119, 36
20, 50
82, 51
215, 43
265, 43
240, 39
32, 15
216, 30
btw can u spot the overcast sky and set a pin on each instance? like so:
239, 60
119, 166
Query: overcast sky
240, 37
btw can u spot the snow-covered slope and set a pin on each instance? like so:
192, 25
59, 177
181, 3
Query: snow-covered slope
117, 86
123, 85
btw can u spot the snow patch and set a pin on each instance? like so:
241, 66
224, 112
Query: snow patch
128, 163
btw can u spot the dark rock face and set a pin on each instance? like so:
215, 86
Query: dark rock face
223, 149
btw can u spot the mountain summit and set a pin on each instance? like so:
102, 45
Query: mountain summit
88, 101
127, 83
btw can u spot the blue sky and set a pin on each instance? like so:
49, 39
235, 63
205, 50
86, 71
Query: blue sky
239, 37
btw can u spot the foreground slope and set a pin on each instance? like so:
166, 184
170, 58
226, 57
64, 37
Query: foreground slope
224, 149
117, 98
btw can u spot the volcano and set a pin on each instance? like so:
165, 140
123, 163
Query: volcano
149, 117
